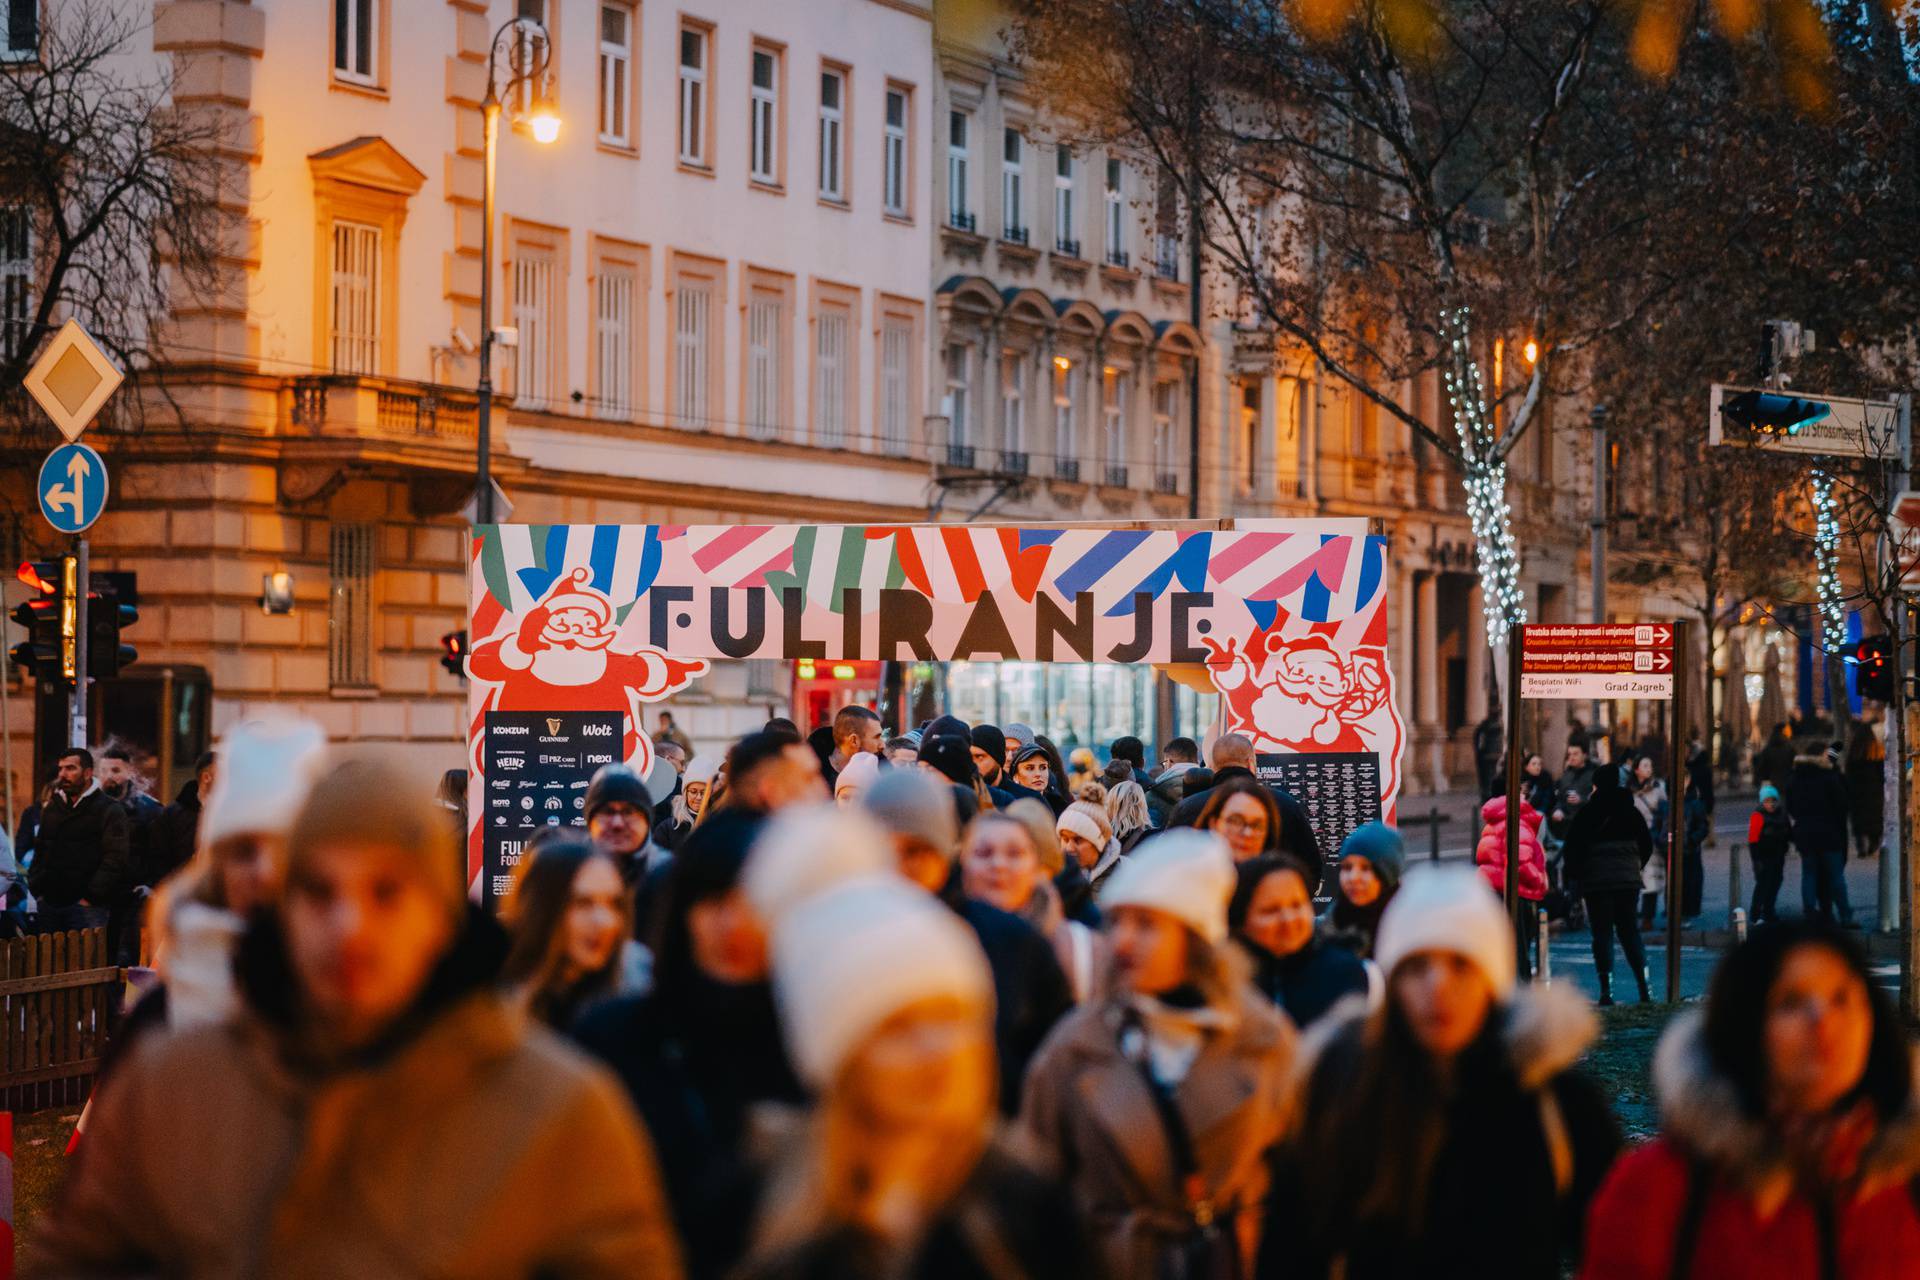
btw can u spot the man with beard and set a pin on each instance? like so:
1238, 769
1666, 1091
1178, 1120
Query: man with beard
81, 861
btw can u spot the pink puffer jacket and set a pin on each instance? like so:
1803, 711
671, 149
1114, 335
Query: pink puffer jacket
1491, 852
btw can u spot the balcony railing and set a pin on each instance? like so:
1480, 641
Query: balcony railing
1067, 248
1166, 482
1016, 235
960, 455
1013, 462
361, 404
1116, 477
960, 220
1120, 258
1067, 469
1166, 258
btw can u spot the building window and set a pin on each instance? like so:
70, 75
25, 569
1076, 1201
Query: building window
1013, 411
766, 313
527, 91
833, 329
893, 171
693, 97
1066, 425
1064, 238
616, 74
23, 31
1013, 225
764, 118
16, 279
1114, 410
355, 328
833, 90
692, 353
350, 606
1166, 226
959, 404
1117, 214
355, 37
1247, 445
959, 137
613, 328
533, 313
896, 382
1166, 475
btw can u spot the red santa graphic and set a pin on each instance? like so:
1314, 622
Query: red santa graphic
559, 656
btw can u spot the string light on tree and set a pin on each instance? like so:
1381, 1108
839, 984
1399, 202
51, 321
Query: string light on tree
1826, 560
1485, 475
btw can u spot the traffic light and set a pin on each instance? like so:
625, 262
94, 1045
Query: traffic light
48, 616
109, 608
453, 653
1768, 413
1874, 669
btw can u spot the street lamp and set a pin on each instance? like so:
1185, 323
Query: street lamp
527, 52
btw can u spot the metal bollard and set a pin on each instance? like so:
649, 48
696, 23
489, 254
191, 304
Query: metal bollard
1543, 968
1734, 895
1739, 924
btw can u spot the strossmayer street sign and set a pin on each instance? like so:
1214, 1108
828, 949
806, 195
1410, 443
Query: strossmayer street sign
1597, 660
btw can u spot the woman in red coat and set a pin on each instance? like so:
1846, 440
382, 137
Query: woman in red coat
1791, 1130
1491, 854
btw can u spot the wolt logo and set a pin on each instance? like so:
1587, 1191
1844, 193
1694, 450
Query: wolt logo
553, 725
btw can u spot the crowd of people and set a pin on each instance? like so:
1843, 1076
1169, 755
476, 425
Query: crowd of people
942, 1005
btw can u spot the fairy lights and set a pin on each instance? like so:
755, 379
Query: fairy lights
1485, 475
1826, 561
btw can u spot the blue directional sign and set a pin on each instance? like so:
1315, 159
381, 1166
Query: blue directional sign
73, 487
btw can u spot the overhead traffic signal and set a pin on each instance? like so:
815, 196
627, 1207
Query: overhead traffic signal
49, 651
1873, 666
1769, 413
453, 653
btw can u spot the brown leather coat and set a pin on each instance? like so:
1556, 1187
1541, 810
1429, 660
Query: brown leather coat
483, 1148
1089, 1108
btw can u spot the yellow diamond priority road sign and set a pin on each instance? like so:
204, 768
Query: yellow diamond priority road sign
72, 378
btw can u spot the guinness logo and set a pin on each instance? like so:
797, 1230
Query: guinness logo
553, 725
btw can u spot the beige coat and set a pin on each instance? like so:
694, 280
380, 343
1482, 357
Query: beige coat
1089, 1108
484, 1148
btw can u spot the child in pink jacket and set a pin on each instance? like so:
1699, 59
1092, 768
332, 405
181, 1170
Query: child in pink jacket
1491, 855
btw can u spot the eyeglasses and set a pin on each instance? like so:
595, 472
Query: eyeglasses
1239, 826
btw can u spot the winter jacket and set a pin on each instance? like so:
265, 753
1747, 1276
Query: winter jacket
1570, 794
143, 814
1751, 1218
1526, 1140
1008, 1220
1607, 842
695, 1067
1491, 852
173, 836
1167, 791
1774, 763
1538, 791
1817, 802
1030, 990
1296, 832
1768, 834
1310, 981
1866, 772
82, 851
1090, 1109
470, 1144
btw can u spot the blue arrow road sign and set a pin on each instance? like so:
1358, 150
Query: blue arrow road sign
73, 487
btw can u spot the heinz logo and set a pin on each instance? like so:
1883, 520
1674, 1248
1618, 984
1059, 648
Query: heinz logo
592, 730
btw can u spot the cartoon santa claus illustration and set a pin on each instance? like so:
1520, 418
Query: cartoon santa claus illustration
560, 656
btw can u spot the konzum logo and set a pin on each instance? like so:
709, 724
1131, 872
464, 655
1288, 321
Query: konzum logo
517, 729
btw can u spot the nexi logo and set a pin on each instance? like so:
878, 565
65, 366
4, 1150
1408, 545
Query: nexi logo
519, 729
597, 730
599, 759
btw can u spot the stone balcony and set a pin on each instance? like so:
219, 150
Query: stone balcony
362, 405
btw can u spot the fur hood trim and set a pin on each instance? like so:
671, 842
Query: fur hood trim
1700, 1110
1547, 1030
1818, 760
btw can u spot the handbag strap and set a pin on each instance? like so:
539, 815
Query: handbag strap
1186, 1165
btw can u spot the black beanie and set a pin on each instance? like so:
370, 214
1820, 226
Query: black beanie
946, 726
989, 739
617, 782
950, 754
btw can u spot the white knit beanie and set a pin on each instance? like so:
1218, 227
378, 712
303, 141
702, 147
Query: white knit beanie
1448, 909
702, 768
1186, 873
265, 769
805, 850
1079, 818
850, 957
862, 771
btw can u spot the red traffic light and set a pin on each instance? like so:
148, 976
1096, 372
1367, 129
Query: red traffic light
35, 574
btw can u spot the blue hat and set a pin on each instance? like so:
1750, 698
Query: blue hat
1380, 845
1768, 792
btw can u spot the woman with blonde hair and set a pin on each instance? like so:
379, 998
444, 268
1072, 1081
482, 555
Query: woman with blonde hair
1127, 814
1002, 865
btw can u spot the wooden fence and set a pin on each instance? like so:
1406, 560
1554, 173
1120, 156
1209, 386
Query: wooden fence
58, 996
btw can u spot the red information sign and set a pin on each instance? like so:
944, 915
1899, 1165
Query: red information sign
1599, 660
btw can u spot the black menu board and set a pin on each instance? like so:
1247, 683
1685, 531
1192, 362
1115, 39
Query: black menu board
538, 765
1340, 791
